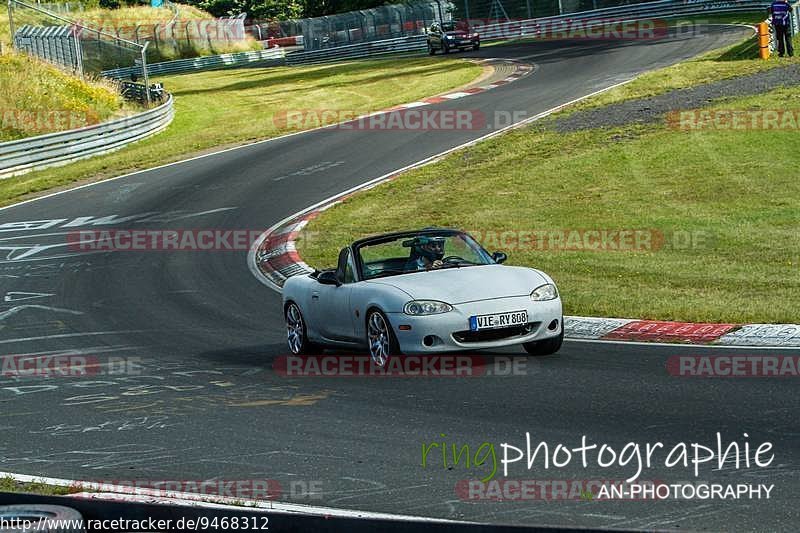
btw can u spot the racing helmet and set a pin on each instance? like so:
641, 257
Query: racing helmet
431, 248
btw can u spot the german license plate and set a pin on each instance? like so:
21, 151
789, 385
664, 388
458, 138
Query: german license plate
498, 320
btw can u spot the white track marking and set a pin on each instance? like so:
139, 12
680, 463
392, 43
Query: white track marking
68, 335
14, 310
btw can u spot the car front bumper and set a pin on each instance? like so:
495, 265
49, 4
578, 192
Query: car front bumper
449, 332
459, 43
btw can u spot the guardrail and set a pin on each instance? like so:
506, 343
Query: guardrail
414, 43
271, 57
660, 9
53, 149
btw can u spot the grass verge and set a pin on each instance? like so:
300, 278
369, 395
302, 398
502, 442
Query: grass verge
735, 60
9, 484
37, 98
228, 107
726, 209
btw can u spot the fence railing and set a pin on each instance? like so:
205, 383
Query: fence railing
23, 155
58, 44
271, 57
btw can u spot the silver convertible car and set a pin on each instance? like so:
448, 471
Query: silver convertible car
417, 292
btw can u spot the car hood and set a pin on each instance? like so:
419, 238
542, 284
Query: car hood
467, 284
459, 34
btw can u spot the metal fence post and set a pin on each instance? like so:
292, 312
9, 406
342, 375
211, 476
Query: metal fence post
144, 73
78, 52
11, 21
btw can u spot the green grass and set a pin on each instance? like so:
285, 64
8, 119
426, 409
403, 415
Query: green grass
735, 60
720, 186
37, 98
229, 107
8, 484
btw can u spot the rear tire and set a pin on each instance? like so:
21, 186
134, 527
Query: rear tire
296, 333
546, 346
476, 47
381, 341
44, 518
431, 50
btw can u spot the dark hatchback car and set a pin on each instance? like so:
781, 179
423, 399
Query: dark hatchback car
446, 36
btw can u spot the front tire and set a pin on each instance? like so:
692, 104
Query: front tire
546, 346
476, 46
431, 50
445, 48
296, 332
381, 342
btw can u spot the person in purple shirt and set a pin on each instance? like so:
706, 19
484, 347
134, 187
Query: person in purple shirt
781, 13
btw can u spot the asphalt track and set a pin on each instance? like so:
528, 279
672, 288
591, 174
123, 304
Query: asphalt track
208, 405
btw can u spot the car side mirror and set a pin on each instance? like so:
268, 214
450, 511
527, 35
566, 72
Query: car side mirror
328, 277
499, 257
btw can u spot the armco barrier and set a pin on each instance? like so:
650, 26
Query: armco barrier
24, 155
271, 57
414, 43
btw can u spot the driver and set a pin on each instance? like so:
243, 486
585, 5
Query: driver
426, 253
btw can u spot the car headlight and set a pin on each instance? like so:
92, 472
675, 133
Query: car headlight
426, 307
544, 293
448, 37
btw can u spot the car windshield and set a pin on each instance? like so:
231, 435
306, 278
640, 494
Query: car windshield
409, 252
448, 26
